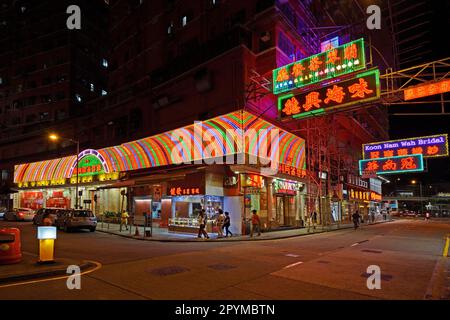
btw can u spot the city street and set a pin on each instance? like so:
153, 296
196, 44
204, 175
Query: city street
330, 265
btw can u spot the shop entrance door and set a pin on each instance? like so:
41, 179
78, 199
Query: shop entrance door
285, 210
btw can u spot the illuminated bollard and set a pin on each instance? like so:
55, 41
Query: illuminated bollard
46, 236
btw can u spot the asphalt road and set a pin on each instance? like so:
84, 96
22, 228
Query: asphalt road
322, 266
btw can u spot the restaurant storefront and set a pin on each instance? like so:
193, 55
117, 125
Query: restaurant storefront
174, 175
356, 196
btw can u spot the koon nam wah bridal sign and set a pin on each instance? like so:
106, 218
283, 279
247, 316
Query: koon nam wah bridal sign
428, 146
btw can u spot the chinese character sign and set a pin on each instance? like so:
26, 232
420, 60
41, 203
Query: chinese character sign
398, 164
428, 146
364, 87
426, 90
334, 62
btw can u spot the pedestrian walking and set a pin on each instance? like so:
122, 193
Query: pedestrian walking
220, 223
226, 224
202, 224
427, 216
372, 216
314, 219
256, 223
356, 218
124, 220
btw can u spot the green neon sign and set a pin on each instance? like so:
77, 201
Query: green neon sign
335, 62
89, 165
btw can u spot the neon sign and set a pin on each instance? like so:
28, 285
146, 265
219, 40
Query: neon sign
178, 191
335, 62
375, 196
426, 90
90, 163
428, 146
397, 164
364, 87
291, 171
285, 187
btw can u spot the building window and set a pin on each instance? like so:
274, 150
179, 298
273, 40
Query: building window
286, 45
91, 86
104, 63
43, 115
170, 28
78, 97
1, 80
184, 21
104, 92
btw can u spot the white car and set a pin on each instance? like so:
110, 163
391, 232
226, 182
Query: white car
2, 212
19, 214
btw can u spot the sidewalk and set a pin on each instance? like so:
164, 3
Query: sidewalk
28, 269
162, 235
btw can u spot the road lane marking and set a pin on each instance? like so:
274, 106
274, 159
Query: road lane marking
445, 252
293, 265
355, 244
98, 265
292, 255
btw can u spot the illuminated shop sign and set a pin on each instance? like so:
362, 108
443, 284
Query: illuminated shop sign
375, 196
335, 62
90, 163
179, 191
291, 171
252, 180
426, 90
364, 87
398, 164
285, 187
428, 146
358, 195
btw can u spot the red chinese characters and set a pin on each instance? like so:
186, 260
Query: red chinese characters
388, 153
335, 94
297, 70
312, 100
359, 89
282, 75
389, 165
178, 191
332, 56
372, 166
408, 163
314, 64
402, 152
351, 52
427, 90
291, 106
374, 154
432, 150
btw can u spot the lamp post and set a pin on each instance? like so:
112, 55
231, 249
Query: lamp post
414, 182
55, 137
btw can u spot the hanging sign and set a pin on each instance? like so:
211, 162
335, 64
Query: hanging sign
332, 63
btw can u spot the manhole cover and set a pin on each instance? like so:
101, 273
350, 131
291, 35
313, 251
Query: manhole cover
385, 277
371, 251
167, 271
221, 266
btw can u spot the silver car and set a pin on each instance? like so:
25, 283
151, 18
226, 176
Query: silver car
76, 219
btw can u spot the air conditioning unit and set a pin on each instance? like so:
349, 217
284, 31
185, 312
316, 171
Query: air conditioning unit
265, 36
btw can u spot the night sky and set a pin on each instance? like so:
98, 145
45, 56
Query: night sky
413, 126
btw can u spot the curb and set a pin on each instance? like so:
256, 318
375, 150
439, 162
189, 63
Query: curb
43, 274
231, 239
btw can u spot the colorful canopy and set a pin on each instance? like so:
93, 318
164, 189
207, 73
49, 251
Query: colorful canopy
230, 134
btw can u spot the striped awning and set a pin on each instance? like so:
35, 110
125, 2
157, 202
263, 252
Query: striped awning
230, 134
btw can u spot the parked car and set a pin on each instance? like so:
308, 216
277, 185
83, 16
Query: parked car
39, 217
19, 214
76, 219
2, 212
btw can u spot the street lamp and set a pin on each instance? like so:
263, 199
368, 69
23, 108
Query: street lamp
414, 182
55, 137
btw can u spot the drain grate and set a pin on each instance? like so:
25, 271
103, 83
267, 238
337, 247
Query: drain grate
167, 271
371, 251
221, 266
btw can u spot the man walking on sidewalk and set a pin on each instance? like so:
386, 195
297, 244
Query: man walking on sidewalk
256, 223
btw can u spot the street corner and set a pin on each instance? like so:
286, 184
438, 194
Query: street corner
29, 269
